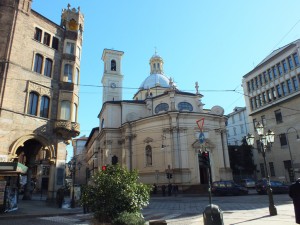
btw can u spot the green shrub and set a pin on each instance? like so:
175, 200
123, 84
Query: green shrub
127, 218
114, 191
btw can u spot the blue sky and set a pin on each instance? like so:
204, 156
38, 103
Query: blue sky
213, 42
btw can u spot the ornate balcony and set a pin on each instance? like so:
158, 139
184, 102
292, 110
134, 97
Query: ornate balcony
67, 129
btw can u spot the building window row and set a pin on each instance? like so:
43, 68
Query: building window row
277, 70
280, 90
45, 38
38, 105
42, 65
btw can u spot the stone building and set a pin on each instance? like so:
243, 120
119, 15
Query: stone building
39, 77
272, 98
162, 130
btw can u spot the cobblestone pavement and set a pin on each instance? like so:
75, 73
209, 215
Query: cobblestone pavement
180, 210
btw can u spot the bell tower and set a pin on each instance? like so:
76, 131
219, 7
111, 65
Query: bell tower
112, 76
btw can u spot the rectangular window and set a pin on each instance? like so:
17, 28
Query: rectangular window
256, 102
47, 38
274, 72
48, 67
291, 64
252, 85
259, 100
264, 98
265, 77
284, 90
262, 170
256, 82
70, 48
260, 79
248, 86
252, 103
272, 170
55, 42
289, 85
254, 123
234, 131
296, 59
38, 34
273, 93
240, 116
279, 68
233, 120
263, 120
295, 83
282, 139
278, 116
279, 93
270, 75
285, 68
269, 95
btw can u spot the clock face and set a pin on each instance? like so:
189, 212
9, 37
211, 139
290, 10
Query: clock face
113, 85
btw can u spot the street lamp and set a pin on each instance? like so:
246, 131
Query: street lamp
288, 143
72, 167
264, 140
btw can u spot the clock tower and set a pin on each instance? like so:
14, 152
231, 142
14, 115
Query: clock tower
112, 76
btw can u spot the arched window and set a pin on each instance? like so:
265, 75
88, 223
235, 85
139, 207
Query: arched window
74, 115
44, 108
68, 73
33, 103
65, 110
113, 65
48, 67
161, 107
38, 63
148, 155
185, 106
76, 76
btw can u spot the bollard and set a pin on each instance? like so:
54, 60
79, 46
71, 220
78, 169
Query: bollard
157, 222
213, 215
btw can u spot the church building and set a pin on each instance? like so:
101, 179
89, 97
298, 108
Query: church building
162, 131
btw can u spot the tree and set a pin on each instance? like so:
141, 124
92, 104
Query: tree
115, 191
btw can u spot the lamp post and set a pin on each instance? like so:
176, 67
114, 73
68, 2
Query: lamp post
291, 157
264, 139
72, 167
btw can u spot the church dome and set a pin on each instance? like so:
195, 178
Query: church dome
155, 80
156, 77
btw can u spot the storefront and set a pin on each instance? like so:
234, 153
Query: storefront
10, 173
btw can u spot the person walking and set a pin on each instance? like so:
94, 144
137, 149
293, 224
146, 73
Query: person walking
294, 193
60, 195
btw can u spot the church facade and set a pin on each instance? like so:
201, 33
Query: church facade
161, 131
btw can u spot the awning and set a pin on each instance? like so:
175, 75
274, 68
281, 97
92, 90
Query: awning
7, 168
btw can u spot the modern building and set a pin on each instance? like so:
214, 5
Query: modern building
237, 126
161, 131
39, 77
272, 97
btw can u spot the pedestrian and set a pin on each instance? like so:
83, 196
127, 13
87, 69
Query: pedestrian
154, 189
169, 189
163, 188
294, 193
175, 190
60, 195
